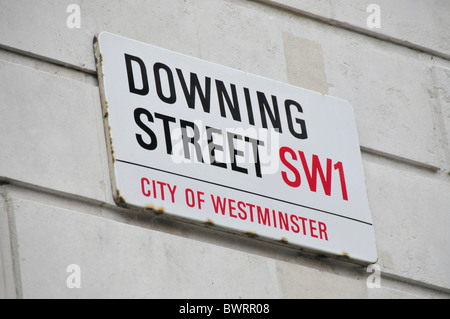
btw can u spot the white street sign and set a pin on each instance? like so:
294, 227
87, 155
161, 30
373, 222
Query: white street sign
204, 142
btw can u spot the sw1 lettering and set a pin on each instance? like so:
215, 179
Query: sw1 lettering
287, 155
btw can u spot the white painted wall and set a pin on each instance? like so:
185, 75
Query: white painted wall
56, 206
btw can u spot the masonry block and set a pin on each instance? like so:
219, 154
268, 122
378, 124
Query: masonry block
410, 216
51, 133
117, 260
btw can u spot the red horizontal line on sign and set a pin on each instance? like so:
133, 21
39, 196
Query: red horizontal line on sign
244, 191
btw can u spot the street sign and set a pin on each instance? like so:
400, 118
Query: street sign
196, 140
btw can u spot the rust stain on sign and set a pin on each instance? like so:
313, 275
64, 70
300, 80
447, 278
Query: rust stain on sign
209, 222
251, 234
119, 199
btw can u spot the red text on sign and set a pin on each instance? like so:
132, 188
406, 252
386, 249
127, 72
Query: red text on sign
287, 155
269, 217
157, 189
